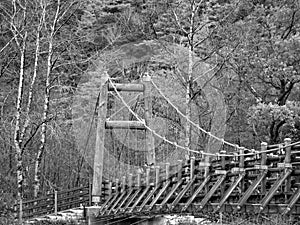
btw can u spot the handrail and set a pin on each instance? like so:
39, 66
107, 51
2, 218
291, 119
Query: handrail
48, 204
246, 180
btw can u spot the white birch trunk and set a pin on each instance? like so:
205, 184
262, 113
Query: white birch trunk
17, 130
35, 69
39, 156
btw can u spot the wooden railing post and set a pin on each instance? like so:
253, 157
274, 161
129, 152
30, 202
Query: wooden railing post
139, 178
223, 159
117, 185
192, 167
148, 176
110, 188
223, 167
55, 202
287, 162
157, 180
130, 181
179, 169
123, 183
206, 171
192, 171
287, 142
90, 193
263, 163
242, 166
167, 171
242, 157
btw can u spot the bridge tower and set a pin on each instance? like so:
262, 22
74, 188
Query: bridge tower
103, 124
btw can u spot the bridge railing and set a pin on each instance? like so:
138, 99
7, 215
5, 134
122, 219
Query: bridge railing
55, 202
262, 178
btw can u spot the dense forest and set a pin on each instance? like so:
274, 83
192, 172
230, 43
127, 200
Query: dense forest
250, 47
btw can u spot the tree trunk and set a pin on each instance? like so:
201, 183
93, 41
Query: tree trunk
35, 69
17, 131
39, 156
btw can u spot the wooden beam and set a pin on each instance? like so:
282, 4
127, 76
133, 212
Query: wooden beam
150, 147
99, 147
127, 87
124, 125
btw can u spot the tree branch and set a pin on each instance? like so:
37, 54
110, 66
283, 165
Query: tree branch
34, 133
178, 23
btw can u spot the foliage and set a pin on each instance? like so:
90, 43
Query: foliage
261, 114
261, 43
254, 46
6, 208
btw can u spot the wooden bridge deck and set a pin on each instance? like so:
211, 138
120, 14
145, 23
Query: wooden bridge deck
267, 183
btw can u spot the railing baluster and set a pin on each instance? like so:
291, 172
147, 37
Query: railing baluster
157, 180
263, 163
206, 171
123, 183
223, 165
139, 177
130, 181
179, 169
242, 166
288, 165
148, 176
55, 202
192, 167
167, 171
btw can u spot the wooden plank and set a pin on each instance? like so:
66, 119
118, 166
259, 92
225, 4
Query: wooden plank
108, 206
162, 190
125, 199
274, 188
148, 197
130, 201
127, 87
212, 191
229, 191
198, 190
113, 208
251, 189
99, 148
293, 200
169, 195
137, 125
182, 192
139, 199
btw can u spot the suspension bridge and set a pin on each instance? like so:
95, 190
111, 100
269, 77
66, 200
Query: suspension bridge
141, 172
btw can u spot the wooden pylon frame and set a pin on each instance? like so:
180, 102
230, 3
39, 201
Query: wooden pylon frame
102, 125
